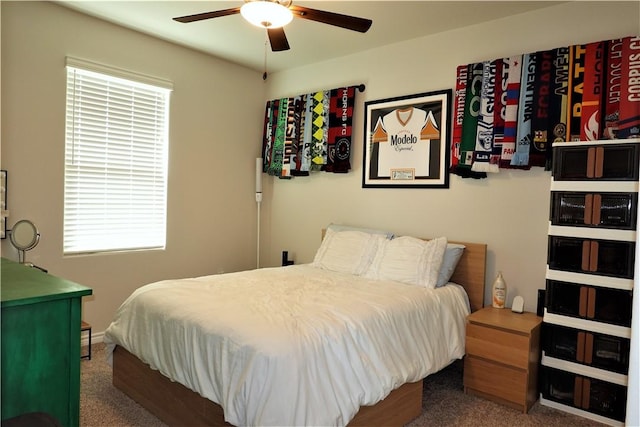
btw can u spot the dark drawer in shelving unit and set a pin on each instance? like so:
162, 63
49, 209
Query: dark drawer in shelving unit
612, 306
583, 209
588, 348
590, 394
592, 256
617, 162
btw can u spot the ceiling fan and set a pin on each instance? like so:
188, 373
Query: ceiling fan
275, 14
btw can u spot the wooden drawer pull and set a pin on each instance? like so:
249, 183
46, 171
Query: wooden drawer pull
591, 162
597, 209
598, 170
591, 303
588, 209
582, 308
577, 392
588, 348
586, 259
580, 349
586, 393
593, 256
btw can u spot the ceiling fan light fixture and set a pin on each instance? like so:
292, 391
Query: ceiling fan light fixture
266, 13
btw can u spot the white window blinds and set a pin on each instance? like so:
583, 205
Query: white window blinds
115, 179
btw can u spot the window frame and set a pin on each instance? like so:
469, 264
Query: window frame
121, 176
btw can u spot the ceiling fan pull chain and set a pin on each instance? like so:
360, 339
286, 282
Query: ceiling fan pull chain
266, 40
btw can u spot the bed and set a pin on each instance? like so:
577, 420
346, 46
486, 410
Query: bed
317, 388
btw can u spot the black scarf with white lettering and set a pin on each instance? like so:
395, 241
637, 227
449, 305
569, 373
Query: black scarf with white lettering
340, 124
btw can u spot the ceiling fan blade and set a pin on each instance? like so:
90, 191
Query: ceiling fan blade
354, 23
277, 39
207, 15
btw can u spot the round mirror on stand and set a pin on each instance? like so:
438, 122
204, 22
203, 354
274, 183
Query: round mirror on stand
24, 236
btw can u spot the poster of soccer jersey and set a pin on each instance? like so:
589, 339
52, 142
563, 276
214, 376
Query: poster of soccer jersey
407, 141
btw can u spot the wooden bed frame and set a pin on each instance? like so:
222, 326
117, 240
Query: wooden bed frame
177, 405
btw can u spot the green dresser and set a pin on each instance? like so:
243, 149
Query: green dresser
40, 343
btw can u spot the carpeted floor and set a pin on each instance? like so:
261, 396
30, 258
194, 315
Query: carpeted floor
444, 403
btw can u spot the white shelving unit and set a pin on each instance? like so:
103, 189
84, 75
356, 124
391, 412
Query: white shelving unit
591, 260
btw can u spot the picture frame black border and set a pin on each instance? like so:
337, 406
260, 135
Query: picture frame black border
416, 100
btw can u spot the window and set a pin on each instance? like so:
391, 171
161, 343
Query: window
116, 145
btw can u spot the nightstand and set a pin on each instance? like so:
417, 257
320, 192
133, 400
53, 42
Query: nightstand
503, 352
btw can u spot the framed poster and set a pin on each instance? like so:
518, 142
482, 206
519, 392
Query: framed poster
407, 141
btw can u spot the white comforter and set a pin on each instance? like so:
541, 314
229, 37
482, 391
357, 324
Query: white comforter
292, 345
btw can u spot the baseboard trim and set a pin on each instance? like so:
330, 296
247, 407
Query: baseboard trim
95, 338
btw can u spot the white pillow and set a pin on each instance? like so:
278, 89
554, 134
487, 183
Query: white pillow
342, 227
452, 256
347, 251
409, 260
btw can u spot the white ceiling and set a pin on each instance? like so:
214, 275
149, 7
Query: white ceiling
235, 40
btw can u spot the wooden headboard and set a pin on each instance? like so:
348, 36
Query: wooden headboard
470, 272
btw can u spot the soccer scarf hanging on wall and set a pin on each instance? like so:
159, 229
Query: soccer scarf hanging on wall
557, 123
612, 92
591, 114
525, 108
319, 121
469, 126
277, 130
484, 131
508, 112
458, 114
540, 148
576, 87
499, 111
340, 123
629, 121
310, 132
511, 110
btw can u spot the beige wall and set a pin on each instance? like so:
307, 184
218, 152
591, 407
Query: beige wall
215, 132
211, 207
508, 211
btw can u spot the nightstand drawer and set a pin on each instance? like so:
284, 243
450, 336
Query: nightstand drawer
495, 380
494, 344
